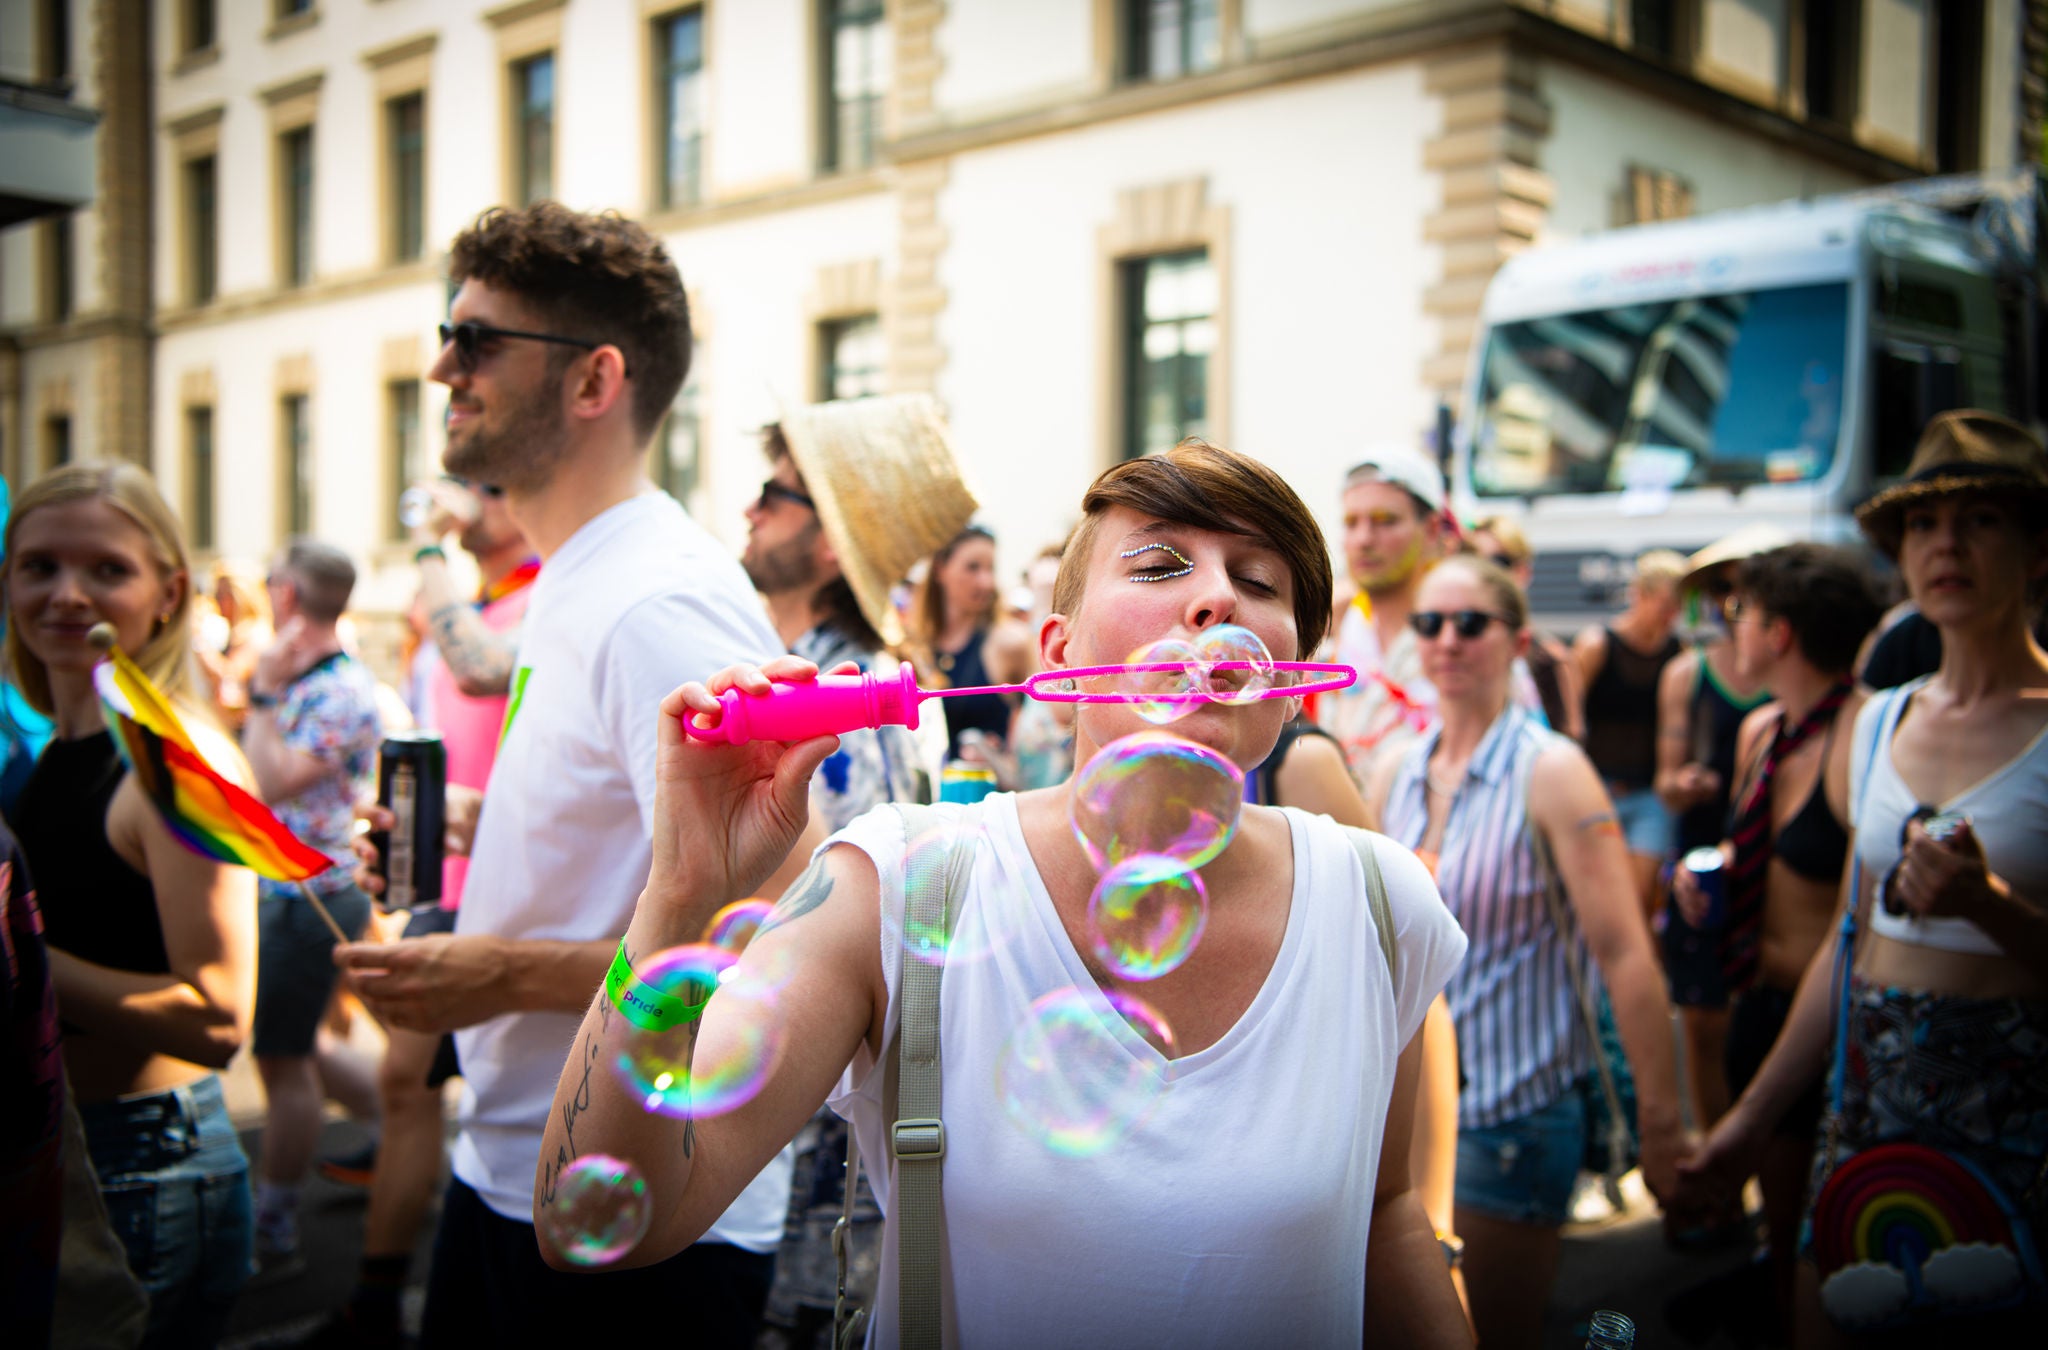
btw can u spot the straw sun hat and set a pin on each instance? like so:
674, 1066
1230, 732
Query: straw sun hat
1967, 450
888, 490
1746, 542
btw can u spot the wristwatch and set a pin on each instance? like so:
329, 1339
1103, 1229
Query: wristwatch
1454, 1249
258, 702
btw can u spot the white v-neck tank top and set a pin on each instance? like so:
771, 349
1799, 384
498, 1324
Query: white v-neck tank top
1236, 1211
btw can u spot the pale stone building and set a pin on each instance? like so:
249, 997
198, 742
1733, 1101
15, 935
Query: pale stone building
1090, 226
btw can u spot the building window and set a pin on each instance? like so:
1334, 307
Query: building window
405, 129
55, 40
287, 8
851, 356
404, 446
1834, 37
63, 264
199, 24
1170, 306
295, 205
1169, 38
202, 229
679, 80
856, 78
1958, 85
1660, 29
533, 87
677, 467
199, 526
295, 466
56, 441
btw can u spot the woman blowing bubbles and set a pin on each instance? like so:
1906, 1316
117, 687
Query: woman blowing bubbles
1192, 1228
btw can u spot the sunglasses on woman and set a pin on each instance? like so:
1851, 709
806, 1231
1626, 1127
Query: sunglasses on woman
470, 336
1466, 623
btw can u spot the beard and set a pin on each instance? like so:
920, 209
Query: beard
787, 567
523, 450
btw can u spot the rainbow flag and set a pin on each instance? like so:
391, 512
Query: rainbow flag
208, 814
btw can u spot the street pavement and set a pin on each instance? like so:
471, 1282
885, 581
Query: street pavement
1620, 1262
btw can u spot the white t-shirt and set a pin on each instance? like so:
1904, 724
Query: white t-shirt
1236, 1212
635, 603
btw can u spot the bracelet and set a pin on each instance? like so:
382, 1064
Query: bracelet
641, 1003
426, 551
261, 702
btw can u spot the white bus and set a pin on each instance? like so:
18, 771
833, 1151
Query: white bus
1661, 385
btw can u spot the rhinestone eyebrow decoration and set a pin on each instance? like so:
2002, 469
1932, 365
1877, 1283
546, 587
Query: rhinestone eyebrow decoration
1187, 564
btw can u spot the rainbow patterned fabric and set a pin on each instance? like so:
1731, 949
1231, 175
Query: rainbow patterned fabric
205, 812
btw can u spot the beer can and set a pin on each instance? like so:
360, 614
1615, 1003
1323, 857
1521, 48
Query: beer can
412, 783
1942, 826
1710, 870
962, 782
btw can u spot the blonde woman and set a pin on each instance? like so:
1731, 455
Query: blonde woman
152, 947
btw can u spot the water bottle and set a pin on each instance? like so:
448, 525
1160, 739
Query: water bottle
1610, 1331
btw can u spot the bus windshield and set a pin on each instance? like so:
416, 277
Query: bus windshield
1719, 390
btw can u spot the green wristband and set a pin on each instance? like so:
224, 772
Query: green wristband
641, 1003
426, 551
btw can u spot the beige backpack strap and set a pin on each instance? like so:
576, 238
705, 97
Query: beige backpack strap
917, 1135
1376, 899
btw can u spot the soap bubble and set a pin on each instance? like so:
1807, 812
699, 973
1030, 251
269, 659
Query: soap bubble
1076, 1075
600, 1211
1154, 793
733, 927
981, 921
1158, 696
676, 1072
1249, 666
1146, 915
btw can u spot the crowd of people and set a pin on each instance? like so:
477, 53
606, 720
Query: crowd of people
1438, 964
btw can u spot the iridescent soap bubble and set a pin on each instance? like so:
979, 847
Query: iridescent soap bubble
982, 921
1154, 793
1076, 1074
733, 927
1146, 915
600, 1211
1158, 696
1234, 665
673, 1070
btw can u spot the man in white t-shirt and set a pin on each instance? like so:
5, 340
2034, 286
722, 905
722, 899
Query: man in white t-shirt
566, 343
1393, 532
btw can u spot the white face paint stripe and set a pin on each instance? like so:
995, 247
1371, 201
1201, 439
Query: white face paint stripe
1187, 564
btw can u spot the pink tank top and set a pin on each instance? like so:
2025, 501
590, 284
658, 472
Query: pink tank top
469, 728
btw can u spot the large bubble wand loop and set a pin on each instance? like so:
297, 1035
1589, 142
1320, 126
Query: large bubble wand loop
831, 704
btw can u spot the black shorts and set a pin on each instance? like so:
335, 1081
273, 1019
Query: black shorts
295, 970
424, 921
1753, 1026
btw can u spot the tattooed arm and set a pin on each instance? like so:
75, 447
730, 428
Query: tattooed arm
480, 660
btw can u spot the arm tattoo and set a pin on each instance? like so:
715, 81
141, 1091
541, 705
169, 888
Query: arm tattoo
1602, 821
572, 1111
809, 891
475, 655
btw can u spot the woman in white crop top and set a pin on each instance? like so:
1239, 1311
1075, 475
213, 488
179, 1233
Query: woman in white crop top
1937, 1058
1272, 1174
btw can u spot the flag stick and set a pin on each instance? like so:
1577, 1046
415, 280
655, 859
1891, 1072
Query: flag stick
340, 938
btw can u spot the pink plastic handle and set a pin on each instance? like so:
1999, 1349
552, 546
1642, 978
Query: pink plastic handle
825, 706
1043, 685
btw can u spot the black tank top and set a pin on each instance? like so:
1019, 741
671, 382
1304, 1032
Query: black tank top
1621, 712
1813, 843
1716, 722
95, 906
976, 712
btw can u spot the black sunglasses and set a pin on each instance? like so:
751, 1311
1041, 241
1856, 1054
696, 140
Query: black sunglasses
1500, 560
491, 490
772, 491
1466, 623
470, 336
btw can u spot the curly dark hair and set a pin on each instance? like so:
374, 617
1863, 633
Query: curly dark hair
599, 277
1824, 593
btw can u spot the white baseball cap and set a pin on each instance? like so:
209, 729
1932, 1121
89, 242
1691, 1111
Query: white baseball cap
1404, 466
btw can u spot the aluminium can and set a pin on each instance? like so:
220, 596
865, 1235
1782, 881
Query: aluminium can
412, 783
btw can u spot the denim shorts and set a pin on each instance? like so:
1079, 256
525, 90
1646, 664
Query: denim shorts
176, 1186
1646, 822
295, 971
1522, 1170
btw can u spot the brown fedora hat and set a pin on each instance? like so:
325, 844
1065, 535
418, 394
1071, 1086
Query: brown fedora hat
888, 489
1965, 450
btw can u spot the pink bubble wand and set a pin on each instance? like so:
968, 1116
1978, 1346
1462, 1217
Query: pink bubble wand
831, 704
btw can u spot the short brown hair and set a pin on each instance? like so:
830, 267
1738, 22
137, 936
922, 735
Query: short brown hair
323, 577
1822, 592
1210, 488
602, 278
1506, 591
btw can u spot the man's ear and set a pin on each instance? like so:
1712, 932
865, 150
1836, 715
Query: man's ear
600, 383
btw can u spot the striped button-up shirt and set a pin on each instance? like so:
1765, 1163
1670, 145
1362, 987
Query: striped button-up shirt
1521, 1043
